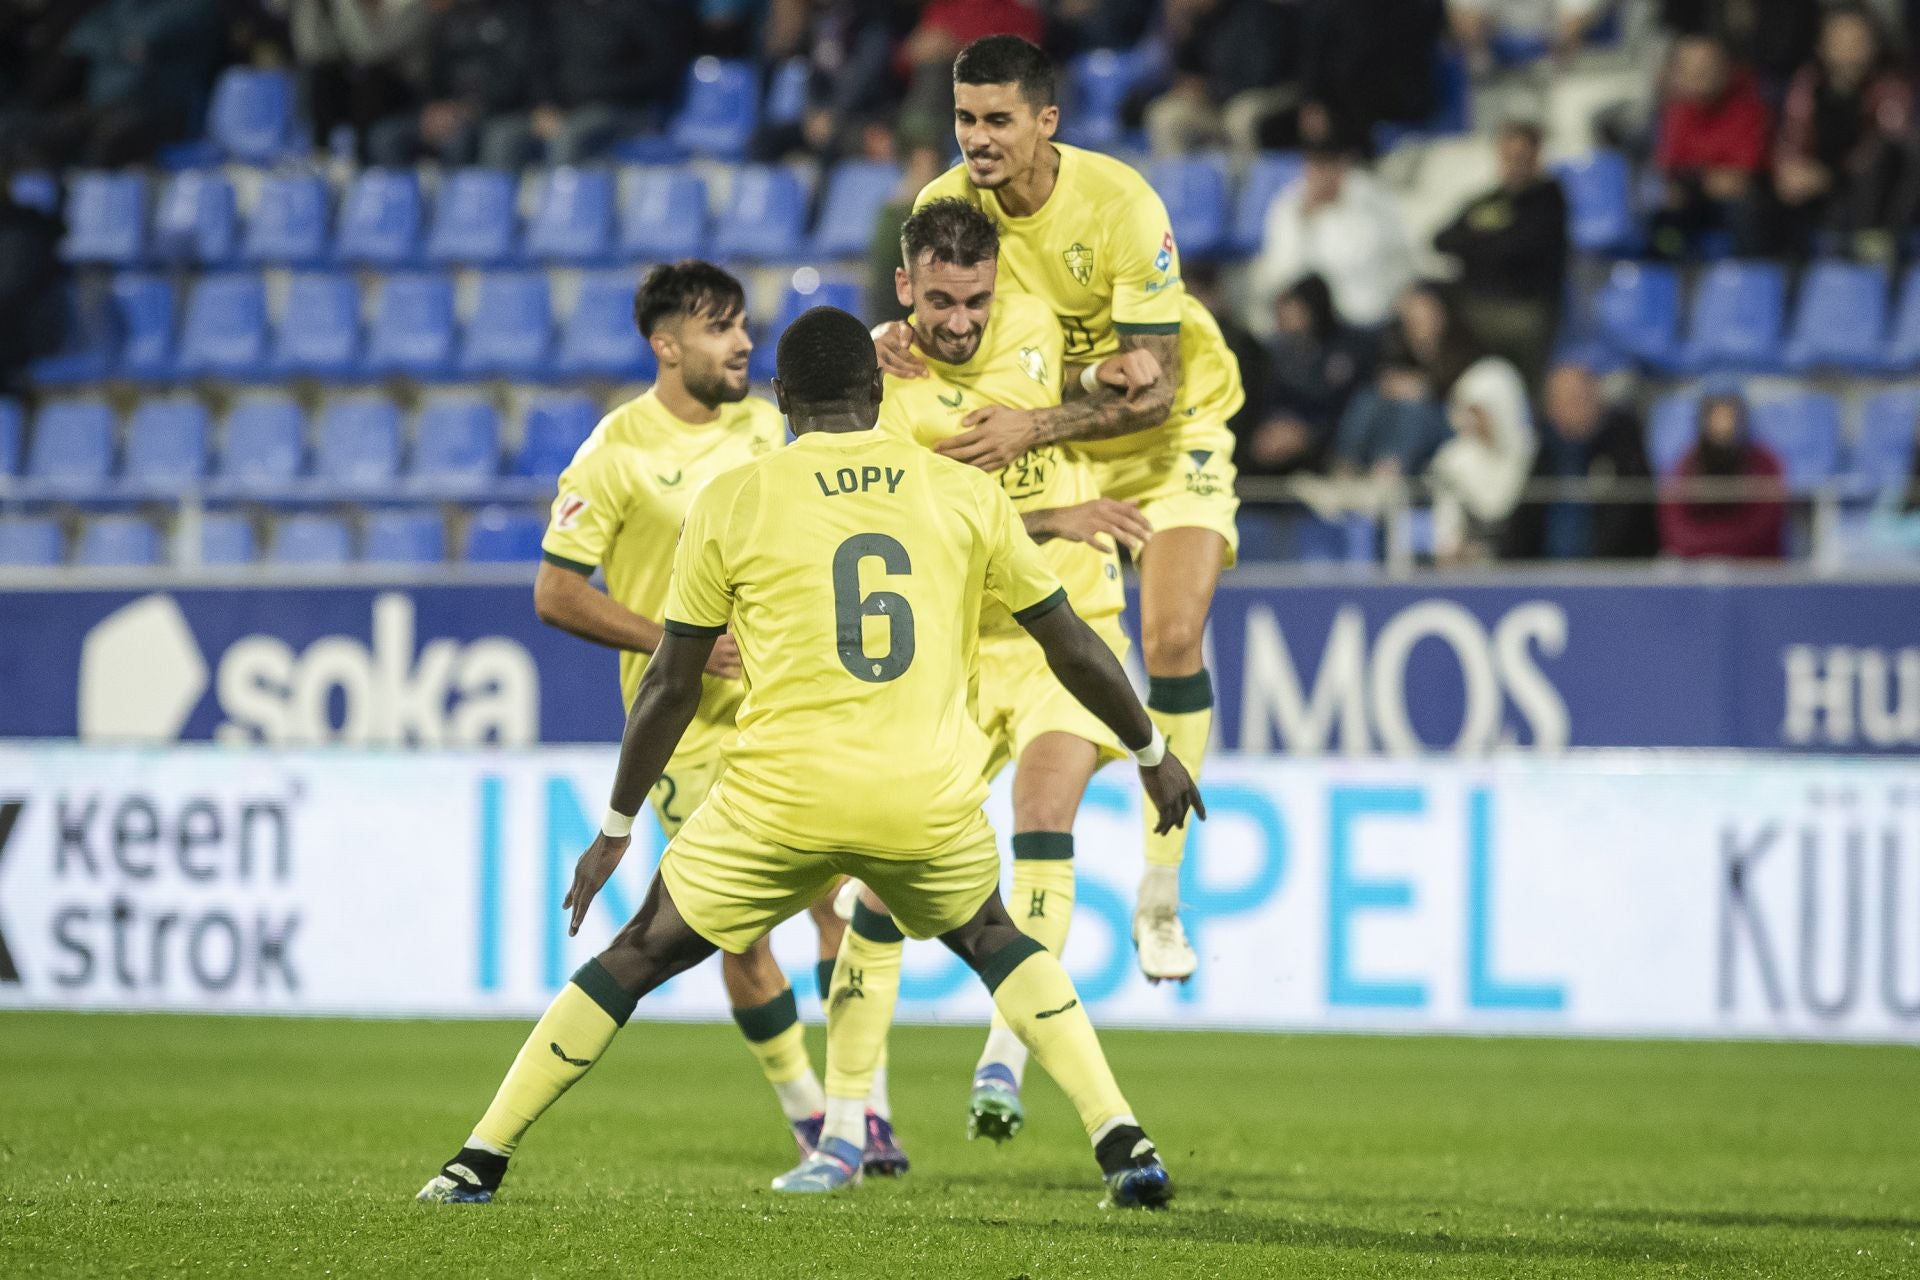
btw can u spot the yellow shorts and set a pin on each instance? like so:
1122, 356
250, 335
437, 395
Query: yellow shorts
1181, 484
1019, 698
733, 886
682, 789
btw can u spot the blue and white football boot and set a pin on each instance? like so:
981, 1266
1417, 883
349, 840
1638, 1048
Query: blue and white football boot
993, 1109
834, 1164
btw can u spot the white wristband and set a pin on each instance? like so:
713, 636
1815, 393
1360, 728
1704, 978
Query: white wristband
1090, 379
616, 825
1150, 756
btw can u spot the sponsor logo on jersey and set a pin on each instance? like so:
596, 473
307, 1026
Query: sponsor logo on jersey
567, 512
668, 482
1079, 260
958, 398
1200, 481
1033, 363
1163, 260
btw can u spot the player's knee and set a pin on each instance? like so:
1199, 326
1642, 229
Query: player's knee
1172, 644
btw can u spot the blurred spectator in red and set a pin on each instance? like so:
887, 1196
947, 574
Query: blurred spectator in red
1751, 528
847, 46
1586, 438
1339, 222
1772, 36
925, 58
1362, 63
1711, 150
1845, 159
481, 60
1314, 365
1512, 247
1233, 65
360, 60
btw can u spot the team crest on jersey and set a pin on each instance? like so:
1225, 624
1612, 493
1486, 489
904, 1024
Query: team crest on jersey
1079, 260
759, 445
568, 510
1164, 259
1033, 363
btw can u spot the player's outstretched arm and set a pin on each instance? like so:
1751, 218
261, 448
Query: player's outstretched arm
564, 599
1100, 523
1081, 661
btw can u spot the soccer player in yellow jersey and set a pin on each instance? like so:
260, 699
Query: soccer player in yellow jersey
1086, 234
619, 509
851, 566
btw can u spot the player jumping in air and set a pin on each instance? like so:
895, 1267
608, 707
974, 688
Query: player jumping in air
1086, 235
851, 566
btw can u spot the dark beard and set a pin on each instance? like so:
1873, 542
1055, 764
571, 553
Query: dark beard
1722, 460
715, 392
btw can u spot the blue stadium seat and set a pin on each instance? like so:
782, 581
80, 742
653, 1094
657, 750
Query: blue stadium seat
1903, 343
145, 307
721, 109
91, 344
195, 222
1195, 193
456, 447
251, 117
856, 192
319, 333
1270, 173
1883, 456
1672, 427
166, 447
264, 445
1735, 323
117, 542
1599, 190
663, 215
511, 328
289, 222
311, 541
786, 99
224, 333
598, 339
504, 535
36, 189
765, 216
226, 538
555, 427
380, 219
1453, 112
30, 542
1840, 320
1637, 312
1266, 533
412, 331
1804, 430
806, 291
474, 219
357, 445
13, 429
71, 451
106, 219
1098, 84
404, 537
572, 217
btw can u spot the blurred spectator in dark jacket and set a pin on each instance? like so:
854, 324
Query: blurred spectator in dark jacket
1077, 26
847, 46
1233, 66
1512, 247
1205, 287
925, 160
1314, 365
1711, 151
32, 297
360, 60
1749, 528
481, 63
1772, 36
1362, 63
1845, 158
1587, 439
1394, 426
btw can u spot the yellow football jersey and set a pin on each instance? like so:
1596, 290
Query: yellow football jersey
621, 503
1017, 365
852, 568
1100, 253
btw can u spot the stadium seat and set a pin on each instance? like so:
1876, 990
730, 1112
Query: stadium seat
663, 215
13, 429
503, 535
91, 345
264, 445
1266, 533
856, 192
1195, 193
380, 219
598, 339
71, 451
1270, 173
1453, 112
357, 445
1903, 343
310, 541
1840, 320
226, 538
1098, 84
456, 447
116, 542
251, 117
30, 542
765, 216
319, 332
721, 109
807, 290
1637, 312
412, 331
1672, 426
511, 328
145, 307
106, 219
572, 217
474, 220
224, 333
786, 99
1804, 430
166, 447
1599, 190
1735, 323
288, 226
1883, 455
556, 426
36, 189
404, 537
195, 223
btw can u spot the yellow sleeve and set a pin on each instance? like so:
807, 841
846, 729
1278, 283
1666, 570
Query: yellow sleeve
1018, 575
699, 596
588, 512
1145, 264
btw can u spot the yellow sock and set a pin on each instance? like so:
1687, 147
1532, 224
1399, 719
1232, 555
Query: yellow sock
866, 984
1036, 997
570, 1037
1042, 905
779, 1043
1183, 708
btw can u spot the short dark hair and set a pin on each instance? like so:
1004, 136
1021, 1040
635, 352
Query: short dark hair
686, 288
825, 357
1009, 60
952, 230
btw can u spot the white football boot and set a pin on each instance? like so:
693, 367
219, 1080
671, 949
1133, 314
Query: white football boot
1159, 939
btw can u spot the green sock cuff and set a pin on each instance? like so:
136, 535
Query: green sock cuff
1001, 964
1177, 695
601, 988
873, 926
1043, 845
823, 978
762, 1022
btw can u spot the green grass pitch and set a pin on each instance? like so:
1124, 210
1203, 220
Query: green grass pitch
202, 1146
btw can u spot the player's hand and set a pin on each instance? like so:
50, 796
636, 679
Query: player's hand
1131, 373
995, 436
596, 865
1101, 522
893, 344
1173, 793
724, 661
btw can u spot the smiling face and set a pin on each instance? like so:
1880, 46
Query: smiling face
710, 352
1000, 132
951, 305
